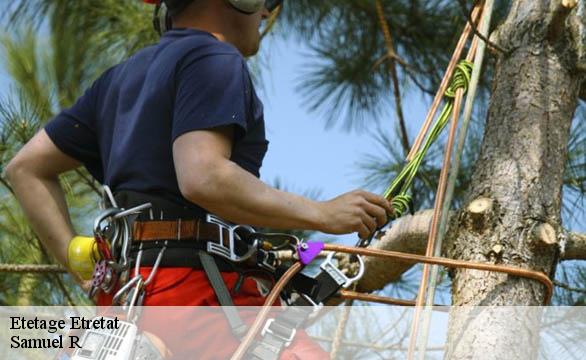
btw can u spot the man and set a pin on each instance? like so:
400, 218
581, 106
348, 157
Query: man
179, 124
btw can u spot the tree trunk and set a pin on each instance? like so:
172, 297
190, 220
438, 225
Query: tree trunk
518, 178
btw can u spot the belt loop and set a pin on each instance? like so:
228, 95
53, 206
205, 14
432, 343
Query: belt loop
179, 230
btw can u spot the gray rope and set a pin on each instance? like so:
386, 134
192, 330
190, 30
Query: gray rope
32, 268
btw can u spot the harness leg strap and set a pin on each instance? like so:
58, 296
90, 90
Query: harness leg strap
222, 293
279, 332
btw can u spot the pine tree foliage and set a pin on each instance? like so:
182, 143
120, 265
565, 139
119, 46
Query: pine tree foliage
54, 51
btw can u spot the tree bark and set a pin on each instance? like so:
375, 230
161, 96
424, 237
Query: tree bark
520, 169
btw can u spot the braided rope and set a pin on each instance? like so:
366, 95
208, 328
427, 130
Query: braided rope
398, 189
339, 334
31, 268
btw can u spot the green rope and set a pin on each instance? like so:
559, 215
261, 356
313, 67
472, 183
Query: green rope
398, 190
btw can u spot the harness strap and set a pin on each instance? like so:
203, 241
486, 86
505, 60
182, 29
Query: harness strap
177, 255
279, 332
180, 229
222, 293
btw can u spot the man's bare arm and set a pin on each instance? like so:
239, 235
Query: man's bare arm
208, 178
33, 175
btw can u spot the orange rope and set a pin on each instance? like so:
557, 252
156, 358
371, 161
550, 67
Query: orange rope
444, 84
439, 200
354, 295
450, 263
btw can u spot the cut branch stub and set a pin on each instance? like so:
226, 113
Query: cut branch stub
479, 213
545, 234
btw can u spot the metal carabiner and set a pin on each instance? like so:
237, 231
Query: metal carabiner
124, 289
287, 240
328, 266
104, 215
137, 285
120, 242
156, 265
135, 298
108, 195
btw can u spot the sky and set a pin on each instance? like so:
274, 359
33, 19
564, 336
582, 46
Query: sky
301, 150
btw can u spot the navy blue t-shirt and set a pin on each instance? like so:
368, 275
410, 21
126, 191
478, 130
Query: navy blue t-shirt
123, 128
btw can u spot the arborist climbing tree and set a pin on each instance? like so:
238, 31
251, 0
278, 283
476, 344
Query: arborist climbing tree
485, 207
179, 126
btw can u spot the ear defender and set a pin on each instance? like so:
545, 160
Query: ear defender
247, 6
162, 19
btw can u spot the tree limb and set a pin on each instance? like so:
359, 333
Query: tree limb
409, 234
575, 247
389, 43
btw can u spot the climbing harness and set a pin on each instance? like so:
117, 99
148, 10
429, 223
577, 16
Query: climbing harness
119, 232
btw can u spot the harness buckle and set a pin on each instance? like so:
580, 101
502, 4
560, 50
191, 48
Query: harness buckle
339, 277
226, 248
287, 339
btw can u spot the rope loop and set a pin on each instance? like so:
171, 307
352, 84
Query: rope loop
461, 78
400, 204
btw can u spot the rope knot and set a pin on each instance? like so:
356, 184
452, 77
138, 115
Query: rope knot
400, 204
461, 78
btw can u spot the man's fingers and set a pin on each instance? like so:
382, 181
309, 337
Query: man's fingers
370, 223
378, 200
364, 233
377, 212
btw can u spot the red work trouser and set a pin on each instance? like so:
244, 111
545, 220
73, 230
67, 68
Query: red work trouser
190, 287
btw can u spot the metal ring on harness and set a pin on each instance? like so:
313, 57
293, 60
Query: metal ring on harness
113, 236
229, 251
328, 266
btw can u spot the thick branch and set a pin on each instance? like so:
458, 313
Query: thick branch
409, 234
575, 247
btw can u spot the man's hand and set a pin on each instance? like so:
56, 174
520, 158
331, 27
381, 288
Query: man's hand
357, 211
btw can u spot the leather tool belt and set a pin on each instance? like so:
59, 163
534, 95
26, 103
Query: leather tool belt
180, 230
178, 224
184, 239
